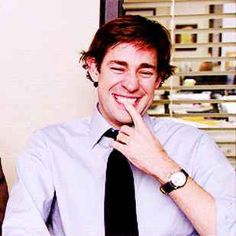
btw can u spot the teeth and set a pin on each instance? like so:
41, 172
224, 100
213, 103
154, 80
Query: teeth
126, 100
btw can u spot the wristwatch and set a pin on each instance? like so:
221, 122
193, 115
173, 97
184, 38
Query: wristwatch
176, 180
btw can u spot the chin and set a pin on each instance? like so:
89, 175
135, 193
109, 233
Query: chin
124, 120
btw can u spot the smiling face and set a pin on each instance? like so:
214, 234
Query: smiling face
127, 74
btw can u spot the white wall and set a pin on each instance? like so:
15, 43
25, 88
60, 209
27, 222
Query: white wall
41, 80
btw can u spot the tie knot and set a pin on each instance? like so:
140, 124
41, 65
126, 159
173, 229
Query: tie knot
111, 133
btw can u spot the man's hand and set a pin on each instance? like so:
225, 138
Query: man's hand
142, 148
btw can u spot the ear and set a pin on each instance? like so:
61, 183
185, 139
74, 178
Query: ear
158, 82
92, 68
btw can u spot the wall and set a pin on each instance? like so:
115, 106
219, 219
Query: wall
41, 80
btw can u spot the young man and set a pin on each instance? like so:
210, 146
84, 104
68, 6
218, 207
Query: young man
62, 181
3, 196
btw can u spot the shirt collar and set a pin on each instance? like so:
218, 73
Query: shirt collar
99, 125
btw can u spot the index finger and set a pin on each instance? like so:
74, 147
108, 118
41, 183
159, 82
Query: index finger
136, 117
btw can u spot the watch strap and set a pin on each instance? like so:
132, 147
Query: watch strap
169, 187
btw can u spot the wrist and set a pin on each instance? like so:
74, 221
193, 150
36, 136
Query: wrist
164, 169
177, 180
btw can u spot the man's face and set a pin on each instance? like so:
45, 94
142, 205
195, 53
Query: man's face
127, 74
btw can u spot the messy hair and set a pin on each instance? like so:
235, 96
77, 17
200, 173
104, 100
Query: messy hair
137, 30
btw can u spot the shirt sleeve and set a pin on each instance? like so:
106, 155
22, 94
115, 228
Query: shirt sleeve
31, 196
217, 176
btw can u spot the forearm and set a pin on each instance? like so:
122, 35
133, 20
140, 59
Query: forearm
198, 205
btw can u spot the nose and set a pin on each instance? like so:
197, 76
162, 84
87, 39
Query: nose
130, 82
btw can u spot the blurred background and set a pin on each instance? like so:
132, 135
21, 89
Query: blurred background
202, 92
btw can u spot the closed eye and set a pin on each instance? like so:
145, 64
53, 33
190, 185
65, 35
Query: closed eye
146, 74
117, 69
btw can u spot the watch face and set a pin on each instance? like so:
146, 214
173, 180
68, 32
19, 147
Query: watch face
178, 179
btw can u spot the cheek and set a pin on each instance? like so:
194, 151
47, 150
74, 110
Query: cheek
107, 81
148, 86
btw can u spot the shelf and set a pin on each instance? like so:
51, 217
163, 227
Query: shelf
189, 101
209, 30
198, 87
219, 128
191, 45
213, 59
199, 114
193, 73
197, 16
226, 142
232, 160
153, 4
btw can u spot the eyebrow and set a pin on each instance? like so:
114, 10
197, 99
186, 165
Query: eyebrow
147, 65
124, 63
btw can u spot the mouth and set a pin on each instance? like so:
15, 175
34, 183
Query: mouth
123, 99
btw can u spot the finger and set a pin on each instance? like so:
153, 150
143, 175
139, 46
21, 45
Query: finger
136, 117
123, 138
126, 130
119, 146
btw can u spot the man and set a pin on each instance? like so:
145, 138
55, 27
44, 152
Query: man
62, 181
3, 196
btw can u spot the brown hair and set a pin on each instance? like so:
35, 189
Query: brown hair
137, 30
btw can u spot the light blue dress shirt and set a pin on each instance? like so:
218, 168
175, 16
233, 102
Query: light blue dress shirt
64, 166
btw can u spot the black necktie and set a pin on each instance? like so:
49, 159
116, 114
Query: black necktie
120, 208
